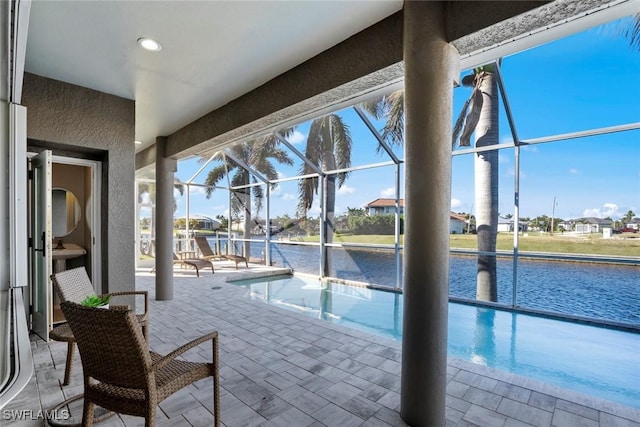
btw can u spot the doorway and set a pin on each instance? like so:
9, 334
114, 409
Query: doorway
69, 216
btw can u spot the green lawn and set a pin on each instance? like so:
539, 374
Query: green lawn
591, 244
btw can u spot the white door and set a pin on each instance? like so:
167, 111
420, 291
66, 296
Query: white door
41, 291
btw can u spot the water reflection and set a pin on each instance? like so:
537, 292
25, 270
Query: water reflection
484, 338
326, 298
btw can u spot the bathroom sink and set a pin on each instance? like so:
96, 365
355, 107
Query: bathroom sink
70, 251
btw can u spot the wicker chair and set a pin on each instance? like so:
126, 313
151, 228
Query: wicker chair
74, 285
121, 374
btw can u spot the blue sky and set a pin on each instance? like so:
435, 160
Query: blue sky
583, 82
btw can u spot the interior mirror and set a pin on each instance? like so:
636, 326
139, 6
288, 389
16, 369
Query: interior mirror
65, 211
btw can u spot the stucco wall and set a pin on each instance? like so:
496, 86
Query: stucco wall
72, 118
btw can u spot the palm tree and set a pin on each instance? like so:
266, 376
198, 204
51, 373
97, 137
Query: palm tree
482, 118
257, 155
628, 217
389, 107
149, 188
328, 148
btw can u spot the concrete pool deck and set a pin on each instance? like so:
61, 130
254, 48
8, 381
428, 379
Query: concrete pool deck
281, 368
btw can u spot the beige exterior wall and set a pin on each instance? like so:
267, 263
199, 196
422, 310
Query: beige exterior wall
79, 122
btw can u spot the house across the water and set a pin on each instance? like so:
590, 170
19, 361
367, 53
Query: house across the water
381, 206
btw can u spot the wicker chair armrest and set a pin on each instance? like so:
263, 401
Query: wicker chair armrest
159, 364
126, 293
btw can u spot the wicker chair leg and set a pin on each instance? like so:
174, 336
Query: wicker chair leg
87, 413
216, 385
150, 418
71, 346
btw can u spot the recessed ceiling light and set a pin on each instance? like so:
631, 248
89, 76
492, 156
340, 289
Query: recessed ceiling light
149, 44
138, 142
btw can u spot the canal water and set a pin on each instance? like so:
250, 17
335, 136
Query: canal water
601, 291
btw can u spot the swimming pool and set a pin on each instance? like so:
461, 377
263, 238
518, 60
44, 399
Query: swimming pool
597, 361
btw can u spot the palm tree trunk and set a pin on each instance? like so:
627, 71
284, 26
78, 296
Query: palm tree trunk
152, 248
330, 213
246, 201
486, 189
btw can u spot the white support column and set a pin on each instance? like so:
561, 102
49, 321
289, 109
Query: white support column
323, 224
267, 233
431, 66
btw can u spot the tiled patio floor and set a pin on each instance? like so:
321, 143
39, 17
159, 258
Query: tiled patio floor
279, 368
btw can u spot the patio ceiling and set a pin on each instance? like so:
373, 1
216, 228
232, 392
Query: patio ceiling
217, 57
212, 51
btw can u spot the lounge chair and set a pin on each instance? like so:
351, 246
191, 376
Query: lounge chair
74, 285
196, 263
122, 375
208, 253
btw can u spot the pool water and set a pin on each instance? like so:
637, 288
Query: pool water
597, 361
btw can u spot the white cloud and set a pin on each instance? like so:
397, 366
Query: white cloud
455, 203
388, 192
197, 190
607, 210
281, 175
345, 189
314, 211
507, 139
573, 171
297, 137
288, 196
530, 148
504, 158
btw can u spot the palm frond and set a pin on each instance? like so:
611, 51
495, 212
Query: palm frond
342, 142
258, 197
281, 156
287, 132
315, 143
472, 118
633, 32
148, 188
214, 176
393, 130
468, 118
267, 169
240, 178
457, 128
179, 187
307, 189
374, 106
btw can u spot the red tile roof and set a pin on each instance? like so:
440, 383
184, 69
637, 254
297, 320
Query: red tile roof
381, 203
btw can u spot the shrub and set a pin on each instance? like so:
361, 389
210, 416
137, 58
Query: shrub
376, 224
